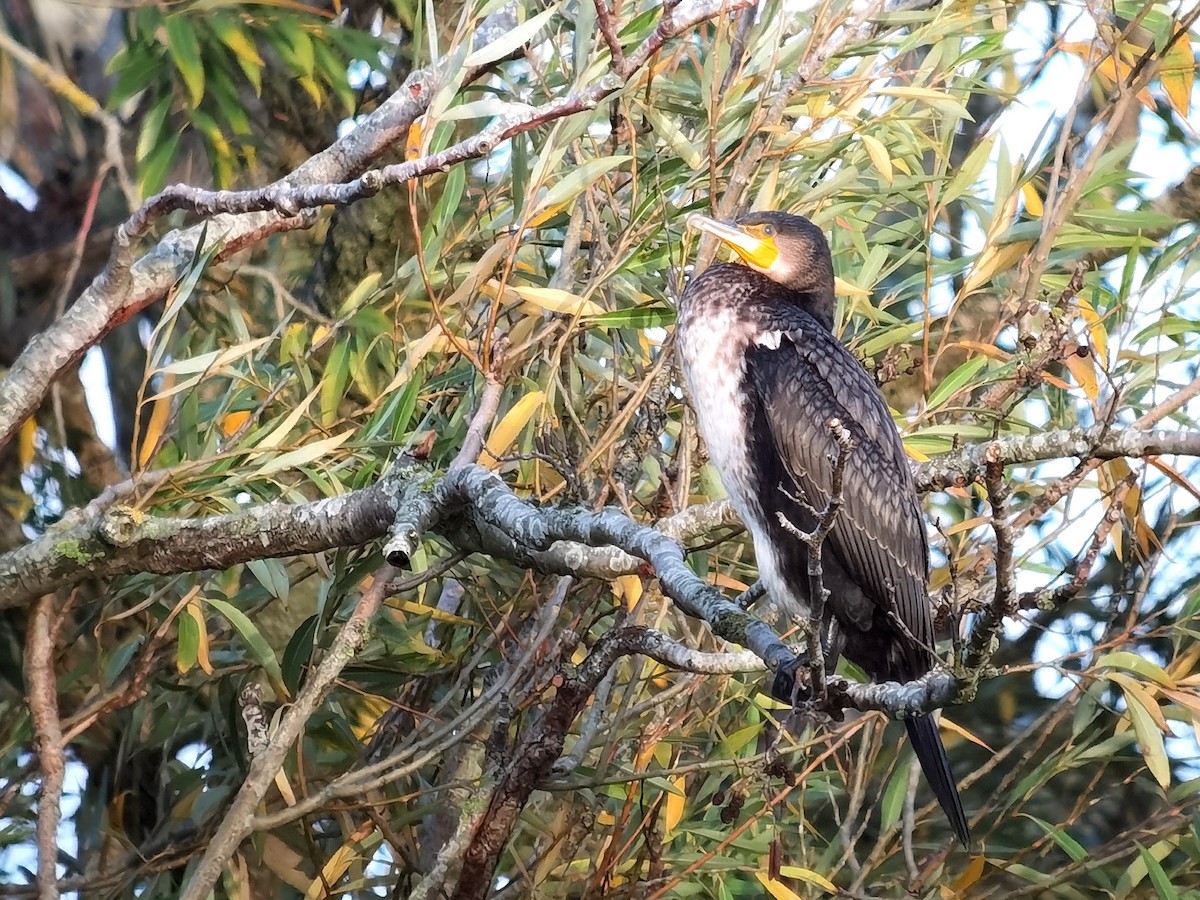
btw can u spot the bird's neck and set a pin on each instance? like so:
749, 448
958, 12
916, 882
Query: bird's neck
819, 304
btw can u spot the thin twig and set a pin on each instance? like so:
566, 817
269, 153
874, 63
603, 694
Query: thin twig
986, 633
43, 708
608, 29
818, 594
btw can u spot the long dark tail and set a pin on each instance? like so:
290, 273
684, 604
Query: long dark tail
927, 743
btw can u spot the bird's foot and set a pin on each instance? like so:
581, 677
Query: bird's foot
793, 683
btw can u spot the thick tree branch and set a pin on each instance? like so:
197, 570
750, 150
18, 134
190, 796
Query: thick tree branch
962, 467
94, 543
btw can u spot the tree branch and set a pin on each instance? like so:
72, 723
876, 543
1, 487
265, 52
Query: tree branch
99, 543
43, 709
959, 468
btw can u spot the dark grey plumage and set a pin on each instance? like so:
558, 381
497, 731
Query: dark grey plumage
766, 375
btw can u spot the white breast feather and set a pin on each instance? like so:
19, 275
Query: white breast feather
715, 380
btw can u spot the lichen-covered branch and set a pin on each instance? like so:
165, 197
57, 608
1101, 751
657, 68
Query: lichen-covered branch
961, 467
102, 543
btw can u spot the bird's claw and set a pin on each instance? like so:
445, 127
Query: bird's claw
792, 684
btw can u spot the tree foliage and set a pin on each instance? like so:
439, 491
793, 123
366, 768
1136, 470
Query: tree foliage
356, 604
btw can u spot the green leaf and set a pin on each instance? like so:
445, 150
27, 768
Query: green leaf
333, 383
272, 575
188, 650
152, 174
152, 126
581, 178
969, 172
1131, 662
893, 797
119, 659
1158, 876
257, 644
635, 317
951, 384
298, 652
513, 40
685, 148
1065, 842
184, 48
890, 337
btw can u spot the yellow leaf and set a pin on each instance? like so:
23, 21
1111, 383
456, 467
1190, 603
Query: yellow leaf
915, 454
431, 611
1095, 324
966, 525
989, 350
846, 289
808, 875
159, 416
1183, 664
630, 587
304, 455
971, 874
194, 610
557, 301
1149, 738
776, 889
763, 701
1178, 71
1135, 690
1033, 200
955, 728
505, 434
336, 866
1111, 70
1083, 369
232, 422
991, 261
26, 442
367, 715
1056, 381
605, 818
720, 579
645, 753
284, 862
412, 145
879, 156
285, 788
674, 807
284, 428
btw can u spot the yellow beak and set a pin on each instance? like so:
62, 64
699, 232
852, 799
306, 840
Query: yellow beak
757, 250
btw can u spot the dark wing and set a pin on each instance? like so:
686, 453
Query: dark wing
805, 377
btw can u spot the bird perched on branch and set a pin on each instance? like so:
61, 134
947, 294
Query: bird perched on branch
768, 380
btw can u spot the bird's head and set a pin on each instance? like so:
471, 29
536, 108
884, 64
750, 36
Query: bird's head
787, 248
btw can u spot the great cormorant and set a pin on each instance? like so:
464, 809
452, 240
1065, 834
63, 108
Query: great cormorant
766, 376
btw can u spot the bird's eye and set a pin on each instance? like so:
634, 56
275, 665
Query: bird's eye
768, 231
